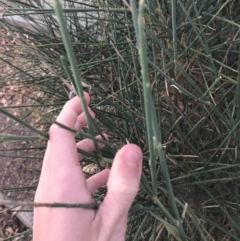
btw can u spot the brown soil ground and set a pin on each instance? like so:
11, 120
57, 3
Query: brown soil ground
18, 168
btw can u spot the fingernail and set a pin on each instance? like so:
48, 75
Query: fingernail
132, 158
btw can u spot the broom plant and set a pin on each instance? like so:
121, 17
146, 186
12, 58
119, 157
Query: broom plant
163, 74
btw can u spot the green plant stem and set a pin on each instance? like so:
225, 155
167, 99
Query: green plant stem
20, 138
77, 77
50, 205
152, 126
41, 133
147, 92
174, 34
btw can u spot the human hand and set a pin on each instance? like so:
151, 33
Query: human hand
62, 180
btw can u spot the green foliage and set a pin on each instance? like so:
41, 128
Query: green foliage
162, 74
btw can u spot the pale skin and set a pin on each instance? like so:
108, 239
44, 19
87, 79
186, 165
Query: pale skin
62, 180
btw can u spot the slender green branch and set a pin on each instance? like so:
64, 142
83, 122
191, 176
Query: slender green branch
152, 125
20, 138
50, 205
142, 49
29, 11
73, 61
41, 133
174, 30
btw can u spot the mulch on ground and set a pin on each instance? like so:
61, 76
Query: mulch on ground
20, 162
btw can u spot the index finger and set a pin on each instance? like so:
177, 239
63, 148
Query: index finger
62, 141
68, 117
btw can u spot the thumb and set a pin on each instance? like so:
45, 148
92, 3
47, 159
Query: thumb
123, 183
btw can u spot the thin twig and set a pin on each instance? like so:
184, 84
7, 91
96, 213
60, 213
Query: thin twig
50, 205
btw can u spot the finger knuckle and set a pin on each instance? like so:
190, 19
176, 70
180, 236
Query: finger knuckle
54, 128
125, 188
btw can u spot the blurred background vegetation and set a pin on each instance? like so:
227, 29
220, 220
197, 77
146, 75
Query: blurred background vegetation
163, 74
